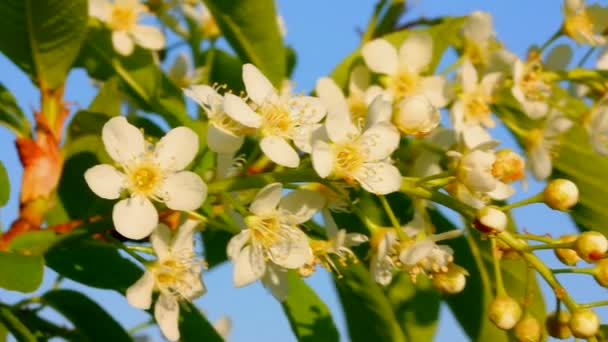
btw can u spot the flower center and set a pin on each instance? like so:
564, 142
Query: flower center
534, 138
123, 18
349, 157
404, 83
477, 107
532, 84
265, 230
578, 25
358, 109
179, 275
145, 178
276, 120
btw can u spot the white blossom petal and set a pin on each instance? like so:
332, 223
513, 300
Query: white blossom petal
236, 108
123, 43
380, 110
331, 95
123, 141
380, 178
183, 190
161, 240
236, 244
204, 95
279, 151
222, 141
259, 89
100, 9
139, 294
322, 158
540, 162
416, 51
166, 313
381, 140
135, 217
267, 199
148, 37
176, 149
468, 76
301, 205
502, 191
276, 280
184, 237
302, 137
435, 89
293, 252
307, 109
249, 266
105, 181
380, 56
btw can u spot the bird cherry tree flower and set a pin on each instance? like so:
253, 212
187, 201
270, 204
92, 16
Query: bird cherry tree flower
122, 17
416, 115
543, 142
585, 24
529, 88
597, 127
176, 274
147, 173
225, 134
360, 94
181, 72
271, 240
472, 107
278, 118
359, 155
403, 69
479, 37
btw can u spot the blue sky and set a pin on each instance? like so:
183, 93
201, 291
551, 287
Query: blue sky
322, 32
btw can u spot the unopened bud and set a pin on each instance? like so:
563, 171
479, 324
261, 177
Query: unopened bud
584, 323
528, 329
561, 194
557, 324
505, 312
509, 166
490, 220
567, 255
600, 272
591, 246
416, 116
451, 282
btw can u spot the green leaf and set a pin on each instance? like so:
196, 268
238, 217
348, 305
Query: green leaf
11, 115
109, 98
92, 262
194, 327
309, 317
93, 322
368, 312
43, 37
33, 242
15, 326
20, 272
86, 122
3, 332
470, 307
251, 29
5, 186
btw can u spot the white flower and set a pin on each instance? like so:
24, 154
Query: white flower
585, 24
223, 327
355, 156
360, 95
529, 89
383, 261
176, 275
271, 240
416, 115
542, 143
225, 134
181, 73
480, 45
206, 24
403, 69
472, 108
492, 218
598, 129
122, 16
146, 173
279, 119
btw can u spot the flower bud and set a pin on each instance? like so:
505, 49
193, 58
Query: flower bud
561, 194
600, 272
505, 312
416, 116
451, 282
567, 255
509, 166
591, 246
490, 220
528, 329
584, 323
557, 324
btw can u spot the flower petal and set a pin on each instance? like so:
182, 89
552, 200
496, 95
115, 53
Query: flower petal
105, 181
502, 191
416, 51
123, 141
259, 89
307, 109
301, 205
135, 217
236, 243
540, 162
123, 43
380, 110
436, 90
139, 294
204, 95
331, 95
302, 137
99, 9
276, 280
267, 199
161, 240
468, 76
183, 190
184, 238
249, 266
236, 108
279, 151
176, 149
322, 158
380, 56
166, 313
380, 178
223, 141
148, 37
292, 252
381, 140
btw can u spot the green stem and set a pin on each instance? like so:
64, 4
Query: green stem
592, 304
551, 246
586, 56
500, 285
394, 221
143, 249
141, 326
572, 270
551, 40
536, 238
371, 226
440, 175
15, 326
534, 199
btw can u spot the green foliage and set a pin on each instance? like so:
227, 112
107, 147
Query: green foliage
251, 29
93, 322
5, 186
11, 323
33, 243
20, 272
43, 37
309, 317
11, 115
193, 326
